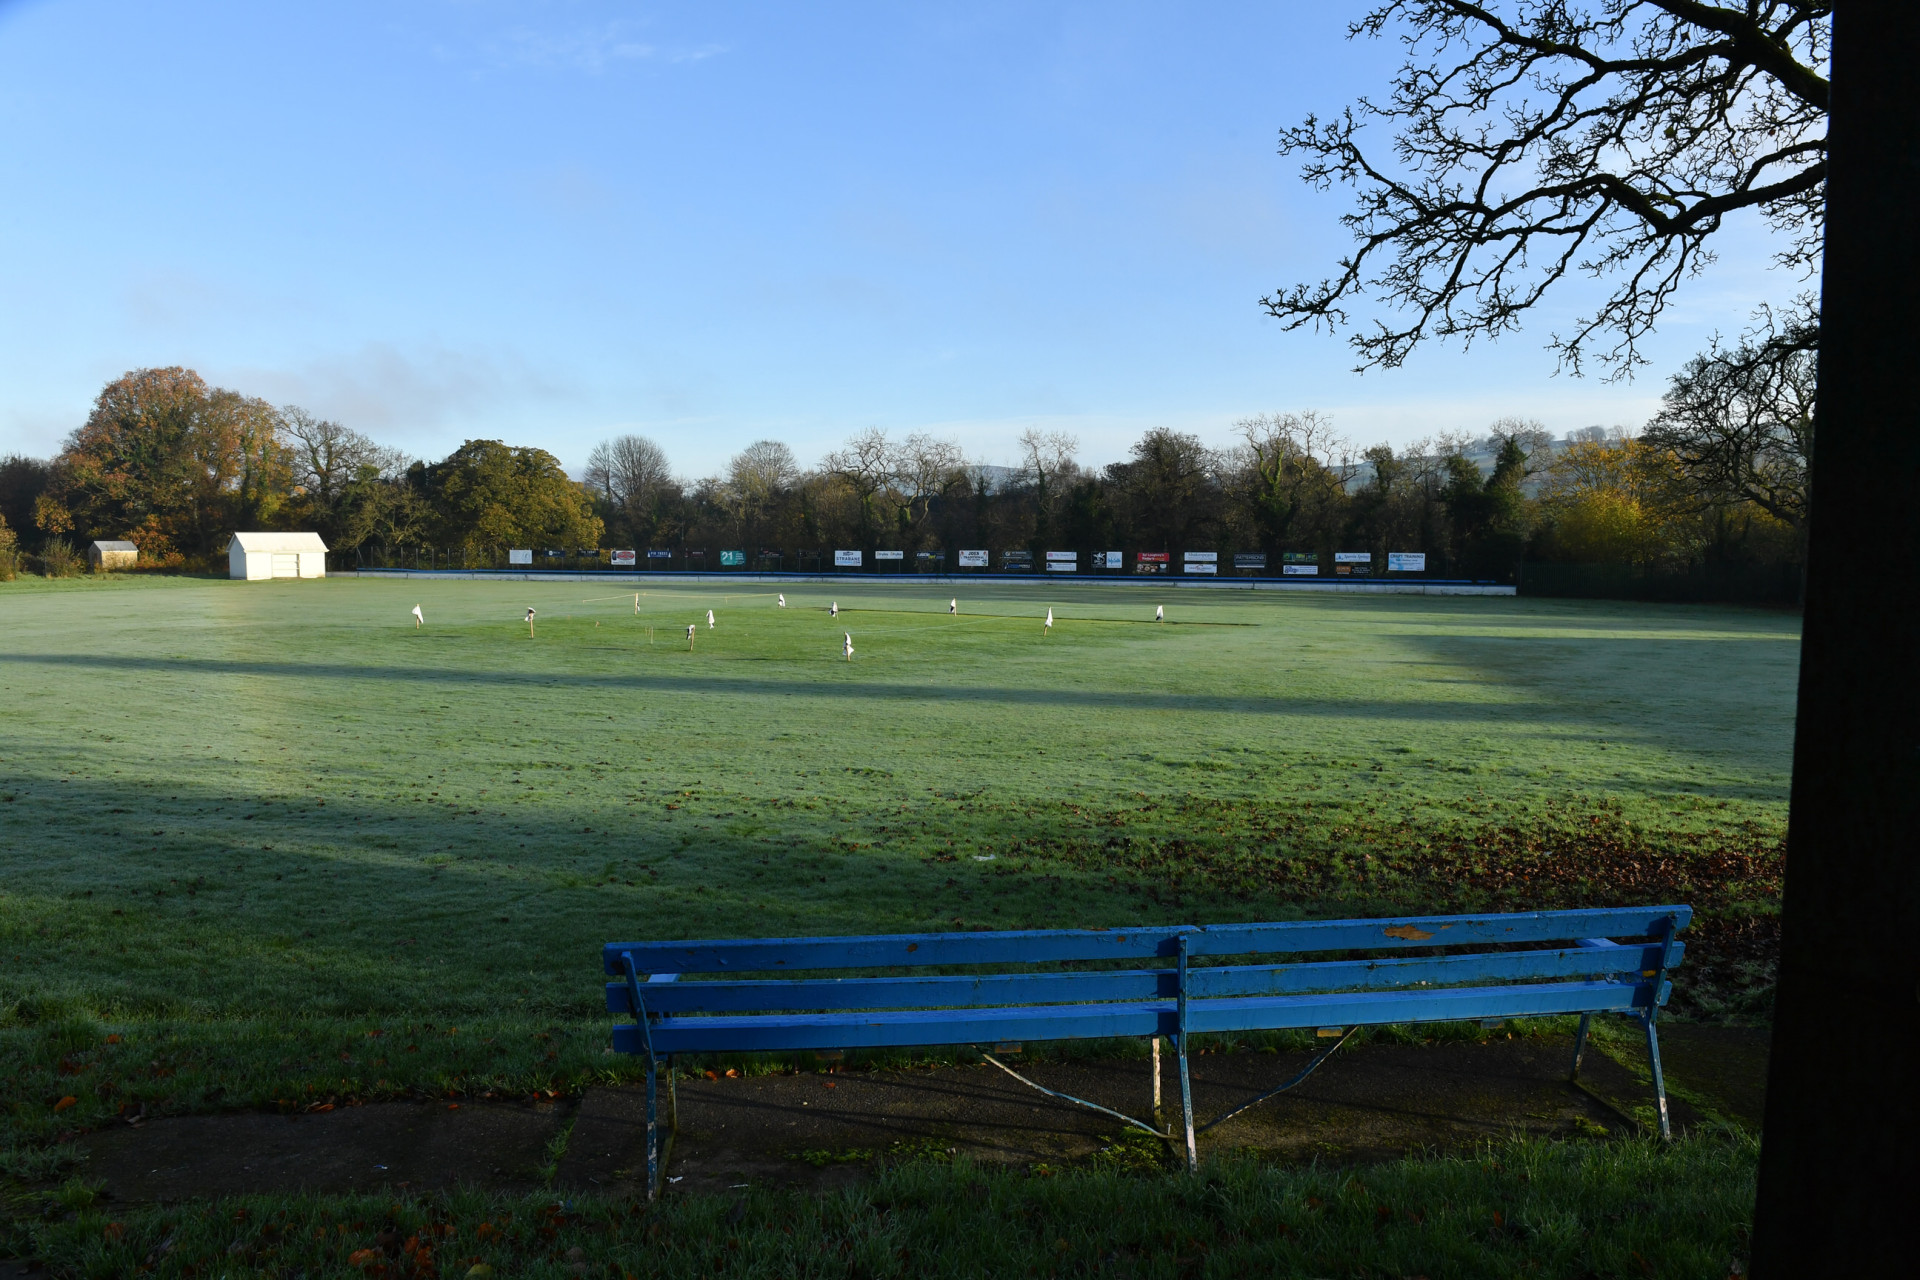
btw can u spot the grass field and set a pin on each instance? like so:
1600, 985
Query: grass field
274, 843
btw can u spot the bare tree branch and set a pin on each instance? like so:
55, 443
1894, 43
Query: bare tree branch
1538, 139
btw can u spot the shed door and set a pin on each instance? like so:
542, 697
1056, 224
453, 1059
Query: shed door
286, 566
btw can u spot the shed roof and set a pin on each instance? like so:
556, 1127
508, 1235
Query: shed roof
281, 542
106, 544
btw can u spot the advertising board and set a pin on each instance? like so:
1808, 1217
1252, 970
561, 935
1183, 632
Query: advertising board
1062, 561
657, 553
1353, 557
1406, 562
1200, 557
973, 559
732, 559
846, 559
1151, 562
1017, 561
1249, 559
623, 559
889, 555
1299, 570
1107, 559
520, 555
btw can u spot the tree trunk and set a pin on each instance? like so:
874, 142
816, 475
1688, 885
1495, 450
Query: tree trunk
1840, 1139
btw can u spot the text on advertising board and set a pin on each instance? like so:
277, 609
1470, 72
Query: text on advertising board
973, 559
1406, 562
623, 557
846, 559
520, 555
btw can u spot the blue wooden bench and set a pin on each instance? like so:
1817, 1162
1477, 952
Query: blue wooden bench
1172, 981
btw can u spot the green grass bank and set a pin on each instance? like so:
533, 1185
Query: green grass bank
268, 843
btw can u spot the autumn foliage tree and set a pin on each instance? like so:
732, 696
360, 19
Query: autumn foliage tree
169, 463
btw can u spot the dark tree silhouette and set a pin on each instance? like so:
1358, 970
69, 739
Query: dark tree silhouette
1539, 138
1841, 1108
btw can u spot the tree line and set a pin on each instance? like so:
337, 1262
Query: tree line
1719, 476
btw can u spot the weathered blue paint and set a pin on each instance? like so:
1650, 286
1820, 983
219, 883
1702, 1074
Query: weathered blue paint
1595, 975
1041, 946
973, 990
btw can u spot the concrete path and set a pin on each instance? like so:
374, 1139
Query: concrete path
822, 1130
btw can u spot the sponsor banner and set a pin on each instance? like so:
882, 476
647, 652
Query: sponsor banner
520, 555
1406, 562
1016, 560
1064, 555
655, 554
729, 559
889, 555
1299, 570
1200, 557
846, 559
1153, 557
1107, 559
1353, 557
973, 559
1062, 566
1202, 568
1249, 559
551, 554
623, 558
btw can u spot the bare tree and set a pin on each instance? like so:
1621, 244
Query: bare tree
925, 469
1740, 424
1533, 139
1047, 464
1291, 471
628, 471
328, 457
758, 478
866, 467
632, 475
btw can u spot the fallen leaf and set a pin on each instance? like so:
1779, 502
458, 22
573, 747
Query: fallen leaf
65, 1102
114, 1230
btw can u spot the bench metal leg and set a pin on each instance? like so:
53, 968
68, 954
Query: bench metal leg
1304, 1072
1180, 1043
653, 1129
1156, 1081
1659, 1080
1580, 1045
1186, 1107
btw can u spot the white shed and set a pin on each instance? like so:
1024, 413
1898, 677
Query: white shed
256, 556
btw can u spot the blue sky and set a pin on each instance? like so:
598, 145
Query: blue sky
550, 223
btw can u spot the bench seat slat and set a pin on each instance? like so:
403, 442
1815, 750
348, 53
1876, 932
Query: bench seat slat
921, 1027
744, 995
1035, 946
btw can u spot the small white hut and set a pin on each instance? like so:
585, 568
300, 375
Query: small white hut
104, 556
258, 556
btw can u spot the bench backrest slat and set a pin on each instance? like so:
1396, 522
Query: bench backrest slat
1042, 946
984, 1026
1598, 959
